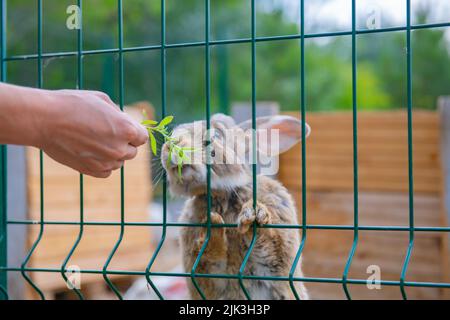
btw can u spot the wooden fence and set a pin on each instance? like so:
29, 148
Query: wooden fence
383, 200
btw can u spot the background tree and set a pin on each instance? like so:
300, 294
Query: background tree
381, 57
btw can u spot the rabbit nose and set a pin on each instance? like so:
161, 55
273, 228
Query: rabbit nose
175, 160
174, 165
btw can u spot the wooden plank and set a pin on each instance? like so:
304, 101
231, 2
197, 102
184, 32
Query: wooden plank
95, 240
375, 118
326, 251
328, 183
57, 172
131, 260
106, 198
134, 213
373, 135
382, 152
374, 208
381, 159
345, 151
364, 171
444, 112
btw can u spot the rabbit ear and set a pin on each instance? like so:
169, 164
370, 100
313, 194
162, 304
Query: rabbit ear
289, 131
227, 121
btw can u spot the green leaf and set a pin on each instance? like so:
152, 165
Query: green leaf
153, 143
184, 156
180, 162
149, 122
180, 165
164, 122
164, 131
169, 157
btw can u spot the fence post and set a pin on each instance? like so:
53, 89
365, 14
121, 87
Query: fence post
444, 113
17, 210
3, 223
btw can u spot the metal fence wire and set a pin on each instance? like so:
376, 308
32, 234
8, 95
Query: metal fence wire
104, 270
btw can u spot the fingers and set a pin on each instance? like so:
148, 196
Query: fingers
100, 137
101, 169
130, 154
114, 165
143, 134
100, 174
103, 173
103, 166
140, 137
135, 133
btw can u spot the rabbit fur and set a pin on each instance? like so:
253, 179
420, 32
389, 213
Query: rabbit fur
275, 249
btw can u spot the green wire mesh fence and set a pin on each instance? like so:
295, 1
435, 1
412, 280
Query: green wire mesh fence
105, 271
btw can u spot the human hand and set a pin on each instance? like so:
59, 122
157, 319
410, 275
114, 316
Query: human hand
86, 131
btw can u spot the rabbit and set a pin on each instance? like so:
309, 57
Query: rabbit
232, 203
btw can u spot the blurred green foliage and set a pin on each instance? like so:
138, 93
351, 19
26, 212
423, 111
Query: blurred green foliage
381, 78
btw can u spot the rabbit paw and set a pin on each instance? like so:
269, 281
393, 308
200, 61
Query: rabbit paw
217, 234
248, 215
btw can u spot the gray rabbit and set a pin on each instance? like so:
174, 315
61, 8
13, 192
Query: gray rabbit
232, 203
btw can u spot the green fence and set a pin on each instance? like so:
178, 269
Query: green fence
104, 270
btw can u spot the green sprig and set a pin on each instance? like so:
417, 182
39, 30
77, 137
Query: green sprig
182, 153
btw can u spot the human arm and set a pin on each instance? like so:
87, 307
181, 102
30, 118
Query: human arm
84, 130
